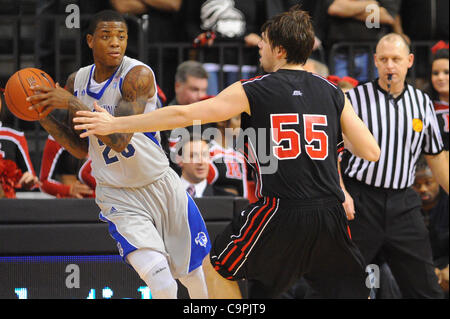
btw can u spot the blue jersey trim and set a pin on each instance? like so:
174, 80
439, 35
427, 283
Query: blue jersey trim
99, 95
152, 136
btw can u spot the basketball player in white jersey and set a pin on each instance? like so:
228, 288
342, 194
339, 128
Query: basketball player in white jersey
158, 229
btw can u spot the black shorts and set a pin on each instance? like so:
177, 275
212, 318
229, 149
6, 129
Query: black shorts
276, 241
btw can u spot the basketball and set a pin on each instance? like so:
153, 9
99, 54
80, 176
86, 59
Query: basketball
18, 89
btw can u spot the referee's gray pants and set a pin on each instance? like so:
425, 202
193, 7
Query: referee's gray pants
391, 222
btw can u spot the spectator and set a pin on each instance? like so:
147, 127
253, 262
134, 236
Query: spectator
228, 169
191, 83
439, 89
194, 161
16, 169
347, 22
64, 176
387, 211
229, 21
316, 67
163, 18
435, 211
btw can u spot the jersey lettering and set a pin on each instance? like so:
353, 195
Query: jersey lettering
128, 152
311, 135
310, 121
280, 134
233, 170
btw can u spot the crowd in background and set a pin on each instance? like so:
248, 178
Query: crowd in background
213, 167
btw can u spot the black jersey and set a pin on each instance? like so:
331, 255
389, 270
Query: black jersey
293, 135
14, 146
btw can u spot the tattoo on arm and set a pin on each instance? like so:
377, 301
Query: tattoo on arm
137, 87
63, 132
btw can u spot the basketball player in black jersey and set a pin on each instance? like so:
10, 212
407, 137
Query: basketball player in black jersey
298, 227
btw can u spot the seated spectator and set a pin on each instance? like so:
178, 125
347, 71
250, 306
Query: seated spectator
191, 83
435, 211
64, 176
194, 160
440, 88
16, 168
228, 170
347, 23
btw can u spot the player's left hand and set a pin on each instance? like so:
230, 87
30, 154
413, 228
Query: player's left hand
349, 205
99, 122
47, 99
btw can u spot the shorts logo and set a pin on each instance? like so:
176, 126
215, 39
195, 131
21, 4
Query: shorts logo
201, 239
119, 246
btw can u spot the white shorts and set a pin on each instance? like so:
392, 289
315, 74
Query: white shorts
159, 216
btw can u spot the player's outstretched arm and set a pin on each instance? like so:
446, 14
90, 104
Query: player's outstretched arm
230, 102
357, 137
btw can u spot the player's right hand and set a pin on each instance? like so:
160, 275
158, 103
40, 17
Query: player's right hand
46, 99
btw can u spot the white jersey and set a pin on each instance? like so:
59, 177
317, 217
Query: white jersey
143, 161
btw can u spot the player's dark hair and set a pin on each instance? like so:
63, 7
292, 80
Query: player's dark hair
105, 15
293, 31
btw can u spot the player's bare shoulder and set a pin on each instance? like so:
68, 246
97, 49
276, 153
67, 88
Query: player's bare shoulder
138, 84
70, 83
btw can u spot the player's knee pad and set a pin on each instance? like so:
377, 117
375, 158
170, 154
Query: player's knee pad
154, 269
195, 282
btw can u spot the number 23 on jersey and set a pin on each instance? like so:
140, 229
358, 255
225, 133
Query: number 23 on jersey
311, 133
128, 152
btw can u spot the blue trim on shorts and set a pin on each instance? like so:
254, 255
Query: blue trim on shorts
200, 242
123, 245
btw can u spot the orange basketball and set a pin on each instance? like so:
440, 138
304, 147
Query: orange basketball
18, 89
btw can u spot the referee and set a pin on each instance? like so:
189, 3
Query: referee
387, 210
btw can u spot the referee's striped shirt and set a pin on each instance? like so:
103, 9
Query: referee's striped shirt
404, 128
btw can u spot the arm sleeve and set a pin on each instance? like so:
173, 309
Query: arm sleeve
85, 174
433, 143
51, 155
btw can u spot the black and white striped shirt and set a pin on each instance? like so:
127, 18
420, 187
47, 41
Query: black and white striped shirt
404, 128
